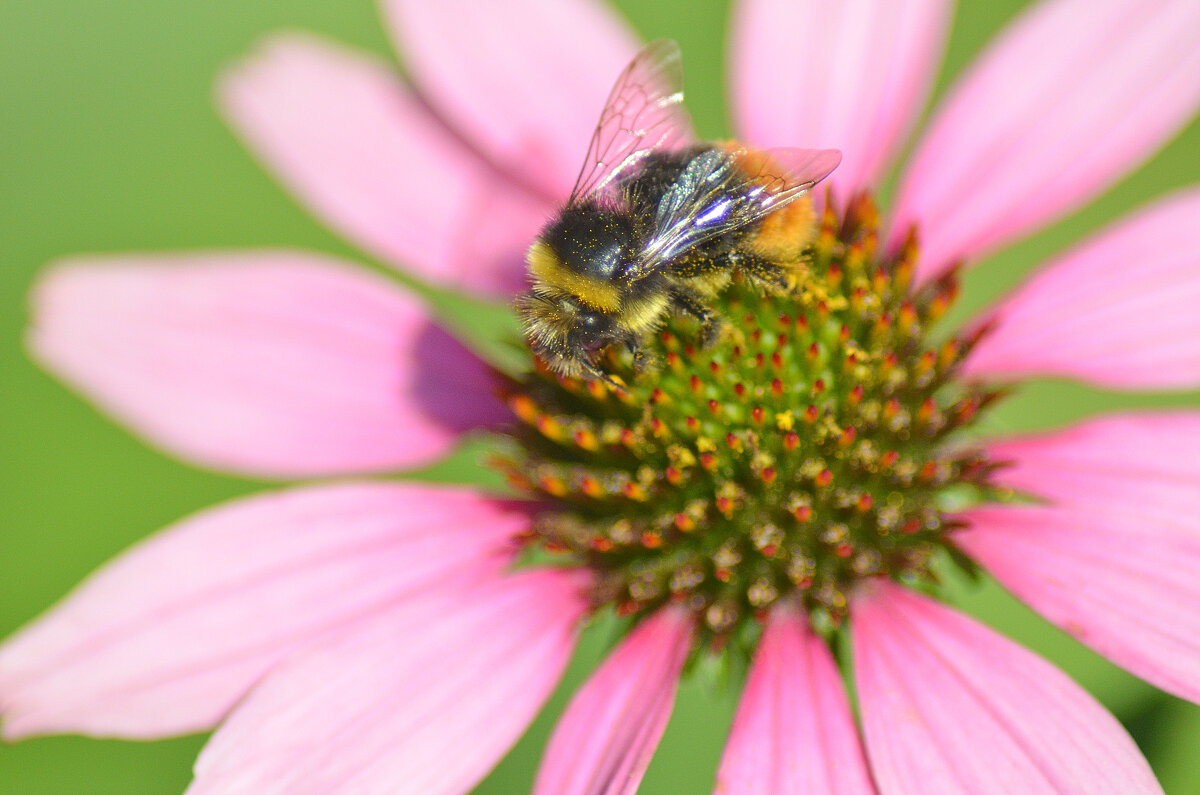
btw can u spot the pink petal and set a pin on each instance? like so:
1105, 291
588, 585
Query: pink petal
167, 637
950, 706
344, 134
1073, 96
272, 363
1113, 559
1123, 586
603, 743
1122, 310
1147, 460
423, 700
851, 75
793, 734
525, 80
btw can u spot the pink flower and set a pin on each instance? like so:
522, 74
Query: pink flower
372, 636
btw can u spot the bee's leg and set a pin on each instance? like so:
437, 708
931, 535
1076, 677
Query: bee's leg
689, 303
590, 370
642, 359
761, 269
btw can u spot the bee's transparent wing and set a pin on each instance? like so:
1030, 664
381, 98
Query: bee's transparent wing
644, 112
724, 190
788, 172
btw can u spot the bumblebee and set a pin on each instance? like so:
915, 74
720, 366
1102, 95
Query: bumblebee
658, 223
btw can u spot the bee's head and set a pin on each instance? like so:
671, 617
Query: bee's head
564, 332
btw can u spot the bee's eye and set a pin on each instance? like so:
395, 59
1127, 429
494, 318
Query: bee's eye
592, 329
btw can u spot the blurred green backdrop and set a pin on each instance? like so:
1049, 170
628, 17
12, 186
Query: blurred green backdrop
108, 142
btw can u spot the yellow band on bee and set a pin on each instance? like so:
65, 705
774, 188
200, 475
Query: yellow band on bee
643, 314
546, 267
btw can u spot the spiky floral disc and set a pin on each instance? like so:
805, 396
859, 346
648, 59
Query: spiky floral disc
805, 451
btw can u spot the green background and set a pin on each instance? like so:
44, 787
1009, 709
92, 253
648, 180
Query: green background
108, 142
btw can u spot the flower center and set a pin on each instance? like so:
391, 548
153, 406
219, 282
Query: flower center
806, 450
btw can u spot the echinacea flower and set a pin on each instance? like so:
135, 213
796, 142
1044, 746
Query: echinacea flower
784, 487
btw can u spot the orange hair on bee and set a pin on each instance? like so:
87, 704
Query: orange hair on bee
784, 234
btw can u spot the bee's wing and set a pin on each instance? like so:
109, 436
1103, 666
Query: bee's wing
790, 172
722, 191
644, 112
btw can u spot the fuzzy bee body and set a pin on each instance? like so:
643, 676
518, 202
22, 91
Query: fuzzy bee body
657, 223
